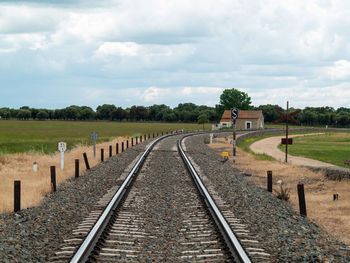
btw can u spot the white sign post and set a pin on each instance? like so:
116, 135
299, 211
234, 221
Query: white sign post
94, 136
211, 138
62, 147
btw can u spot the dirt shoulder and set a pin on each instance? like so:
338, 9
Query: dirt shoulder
333, 216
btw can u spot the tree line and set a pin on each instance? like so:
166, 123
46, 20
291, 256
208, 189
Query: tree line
184, 112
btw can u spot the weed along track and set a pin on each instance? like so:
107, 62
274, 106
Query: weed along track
161, 212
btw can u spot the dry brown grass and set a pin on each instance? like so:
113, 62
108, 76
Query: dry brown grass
333, 216
35, 185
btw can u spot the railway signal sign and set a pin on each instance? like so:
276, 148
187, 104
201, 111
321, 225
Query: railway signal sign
285, 141
234, 113
287, 117
62, 147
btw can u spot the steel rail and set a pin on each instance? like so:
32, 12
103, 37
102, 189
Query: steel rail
232, 242
91, 239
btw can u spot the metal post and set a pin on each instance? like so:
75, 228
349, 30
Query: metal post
122, 146
102, 155
86, 161
140, 139
76, 168
132, 141
110, 150
127, 144
269, 181
117, 148
301, 196
53, 178
145, 136
17, 196
234, 140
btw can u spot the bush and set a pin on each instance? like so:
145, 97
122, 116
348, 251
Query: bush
283, 194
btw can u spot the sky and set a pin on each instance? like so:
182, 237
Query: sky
134, 52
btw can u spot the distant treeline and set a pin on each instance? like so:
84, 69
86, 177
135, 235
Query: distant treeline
184, 112
313, 116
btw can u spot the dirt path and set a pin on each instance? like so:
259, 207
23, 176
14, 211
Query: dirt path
269, 146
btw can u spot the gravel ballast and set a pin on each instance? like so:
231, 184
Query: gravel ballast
282, 232
35, 234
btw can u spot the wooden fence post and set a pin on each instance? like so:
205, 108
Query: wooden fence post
110, 150
301, 196
102, 155
132, 141
76, 168
127, 144
117, 148
17, 196
53, 178
122, 146
269, 181
86, 161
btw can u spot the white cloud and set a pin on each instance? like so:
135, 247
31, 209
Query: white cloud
155, 95
118, 48
340, 70
210, 91
181, 51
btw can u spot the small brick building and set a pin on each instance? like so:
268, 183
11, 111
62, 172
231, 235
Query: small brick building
247, 119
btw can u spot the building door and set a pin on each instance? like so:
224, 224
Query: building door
248, 125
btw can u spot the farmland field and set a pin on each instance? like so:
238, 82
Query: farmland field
43, 136
332, 148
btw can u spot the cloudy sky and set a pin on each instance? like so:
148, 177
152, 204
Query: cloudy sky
134, 52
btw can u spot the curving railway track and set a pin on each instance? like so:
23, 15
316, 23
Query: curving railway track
161, 212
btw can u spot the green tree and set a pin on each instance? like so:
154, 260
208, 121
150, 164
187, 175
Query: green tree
86, 113
104, 111
23, 114
233, 98
118, 114
5, 113
42, 115
202, 119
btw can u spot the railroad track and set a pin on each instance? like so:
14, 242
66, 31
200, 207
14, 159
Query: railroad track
157, 214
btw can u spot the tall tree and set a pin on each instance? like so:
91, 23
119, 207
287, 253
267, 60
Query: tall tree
233, 98
202, 119
104, 111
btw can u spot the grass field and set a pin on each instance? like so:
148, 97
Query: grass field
43, 136
331, 147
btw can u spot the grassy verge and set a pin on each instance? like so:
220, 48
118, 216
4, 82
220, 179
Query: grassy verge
332, 148
245, 145
43, 136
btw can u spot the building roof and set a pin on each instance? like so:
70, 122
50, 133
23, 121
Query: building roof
243, 114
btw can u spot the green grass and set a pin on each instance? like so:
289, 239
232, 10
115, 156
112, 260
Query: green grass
332, 148
245, 145
43, 136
